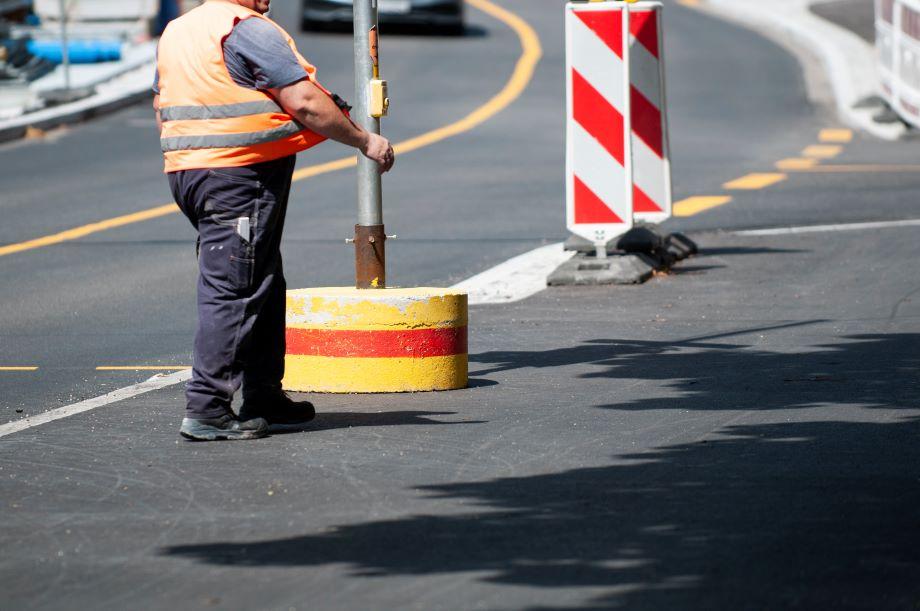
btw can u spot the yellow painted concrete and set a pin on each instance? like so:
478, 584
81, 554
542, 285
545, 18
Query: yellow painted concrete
699, 203
374, 375
835, 135
376, 309
752, 182
351, 309
796, 163
822, 151
512, 90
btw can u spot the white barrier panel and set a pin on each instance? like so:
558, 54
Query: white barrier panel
615, 90
897, 40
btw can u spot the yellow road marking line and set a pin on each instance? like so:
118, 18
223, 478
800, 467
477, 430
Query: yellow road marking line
864, 168
85, 230
143, 367
796, 163
18, 368
699, 203
822, 151
754, 181
690, 3
835, 135
514, 87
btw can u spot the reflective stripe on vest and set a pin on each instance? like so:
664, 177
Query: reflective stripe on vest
223, 111
223, 141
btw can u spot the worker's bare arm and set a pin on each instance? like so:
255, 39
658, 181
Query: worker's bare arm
316, 111
156, 109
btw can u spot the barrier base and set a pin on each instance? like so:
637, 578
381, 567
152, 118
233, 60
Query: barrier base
346, 340
632, 258
585, 269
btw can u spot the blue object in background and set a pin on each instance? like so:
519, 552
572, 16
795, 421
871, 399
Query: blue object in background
80, 51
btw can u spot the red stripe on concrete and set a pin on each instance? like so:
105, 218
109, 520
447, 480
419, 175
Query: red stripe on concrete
644, 26
597, 116
589, 208
608, 25
642, 202
646, 121
414, 343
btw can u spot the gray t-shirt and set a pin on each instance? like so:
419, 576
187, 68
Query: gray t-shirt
257, 57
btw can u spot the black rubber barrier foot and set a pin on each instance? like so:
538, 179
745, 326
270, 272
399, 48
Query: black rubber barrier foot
681, 246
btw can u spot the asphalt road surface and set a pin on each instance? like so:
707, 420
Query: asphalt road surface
742, 433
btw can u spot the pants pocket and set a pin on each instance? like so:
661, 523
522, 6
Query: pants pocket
241, 270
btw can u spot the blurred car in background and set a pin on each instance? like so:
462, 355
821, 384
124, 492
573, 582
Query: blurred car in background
443, 16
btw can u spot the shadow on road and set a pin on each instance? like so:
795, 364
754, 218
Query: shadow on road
813, 514
725, 251
326, 421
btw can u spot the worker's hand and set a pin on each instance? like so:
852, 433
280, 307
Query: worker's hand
378, 149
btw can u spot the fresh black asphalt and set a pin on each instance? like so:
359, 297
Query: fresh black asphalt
739, 434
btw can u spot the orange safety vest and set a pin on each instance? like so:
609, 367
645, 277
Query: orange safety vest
209, 121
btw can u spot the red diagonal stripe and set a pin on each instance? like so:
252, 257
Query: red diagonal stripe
644, 26
413, 343
597, 116
589, 208
642, 202
646, 121
608, 25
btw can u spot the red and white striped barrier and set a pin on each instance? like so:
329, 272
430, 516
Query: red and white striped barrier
614, 90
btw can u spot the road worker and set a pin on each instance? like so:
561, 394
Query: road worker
236, 102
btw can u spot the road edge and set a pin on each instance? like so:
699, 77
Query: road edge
846, 60
125, 90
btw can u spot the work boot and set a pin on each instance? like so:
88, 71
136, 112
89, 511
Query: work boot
277, 408
227, 426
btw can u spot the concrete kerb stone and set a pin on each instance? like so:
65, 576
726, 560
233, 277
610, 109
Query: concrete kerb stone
848, 61
347, 340
123, 91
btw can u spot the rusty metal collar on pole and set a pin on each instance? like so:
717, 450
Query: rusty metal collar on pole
370, 257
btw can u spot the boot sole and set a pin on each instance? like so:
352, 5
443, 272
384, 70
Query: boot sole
224, 436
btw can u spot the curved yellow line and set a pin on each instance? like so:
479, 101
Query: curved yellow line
520, 78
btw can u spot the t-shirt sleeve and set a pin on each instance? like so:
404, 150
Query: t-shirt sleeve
258, 49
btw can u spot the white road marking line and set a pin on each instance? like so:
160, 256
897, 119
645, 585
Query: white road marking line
516, 278
513, 280
155, 383
827, 228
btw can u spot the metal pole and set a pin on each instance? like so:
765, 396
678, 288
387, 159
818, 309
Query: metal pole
370, 258
65, 50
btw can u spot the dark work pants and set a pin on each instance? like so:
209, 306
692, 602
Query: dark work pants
239, 214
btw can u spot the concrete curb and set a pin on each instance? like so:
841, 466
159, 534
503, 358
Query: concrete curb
128, 88
847, 60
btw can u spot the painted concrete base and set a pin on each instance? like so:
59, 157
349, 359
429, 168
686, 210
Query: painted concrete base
345, 340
